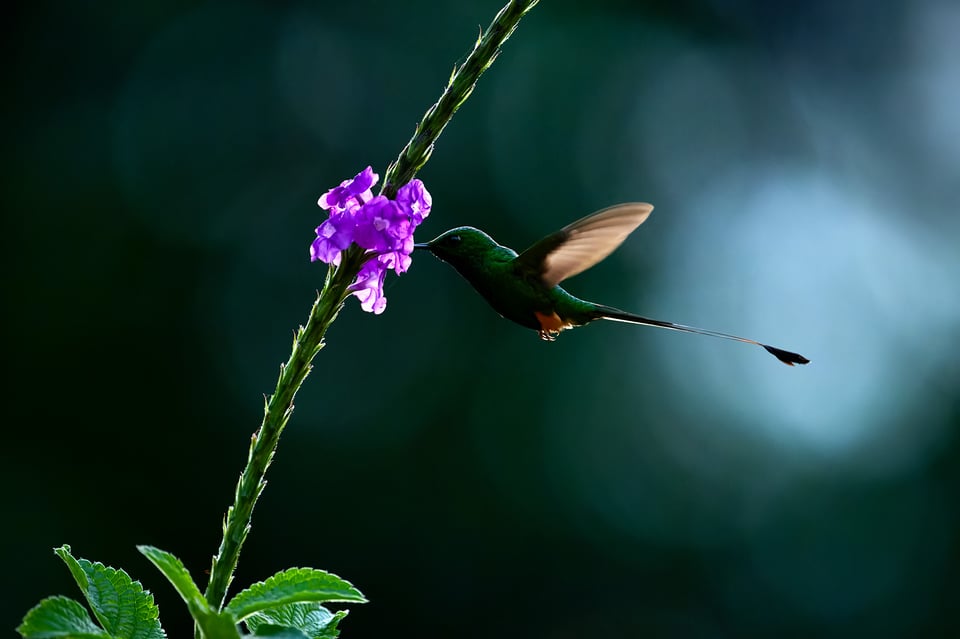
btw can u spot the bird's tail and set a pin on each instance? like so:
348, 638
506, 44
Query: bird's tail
615, 314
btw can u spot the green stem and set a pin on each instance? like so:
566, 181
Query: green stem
309, 338
306, 344
417, 151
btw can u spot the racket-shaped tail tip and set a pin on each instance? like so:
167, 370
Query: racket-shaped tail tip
786, 357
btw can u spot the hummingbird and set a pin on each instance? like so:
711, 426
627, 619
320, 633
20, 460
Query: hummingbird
525, 288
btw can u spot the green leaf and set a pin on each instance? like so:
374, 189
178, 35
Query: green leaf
219, 626
311, 618
292, 586
120, 604
332, 631
212, 623
279, 632
178, 575
78, 573
59, 617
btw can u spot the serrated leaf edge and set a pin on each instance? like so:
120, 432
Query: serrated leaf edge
256, 597
81, 569
44, 605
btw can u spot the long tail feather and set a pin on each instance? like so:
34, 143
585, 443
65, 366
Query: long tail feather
615, 314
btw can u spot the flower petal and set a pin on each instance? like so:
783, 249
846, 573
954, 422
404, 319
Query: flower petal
415, 200
368, 287
362, 181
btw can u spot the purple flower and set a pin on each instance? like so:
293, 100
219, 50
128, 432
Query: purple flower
333, 236
351, 194
382, 226
368, 287
399, 260
414, 198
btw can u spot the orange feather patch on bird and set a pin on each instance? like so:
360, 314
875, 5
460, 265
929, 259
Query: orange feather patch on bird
551, 322
551, 325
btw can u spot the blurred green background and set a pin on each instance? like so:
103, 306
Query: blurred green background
161, 165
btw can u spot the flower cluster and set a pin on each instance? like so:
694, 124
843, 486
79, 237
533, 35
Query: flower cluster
382, 226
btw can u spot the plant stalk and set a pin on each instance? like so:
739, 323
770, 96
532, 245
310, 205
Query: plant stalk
309, 338
462, 81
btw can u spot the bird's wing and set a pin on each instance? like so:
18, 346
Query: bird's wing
578, 246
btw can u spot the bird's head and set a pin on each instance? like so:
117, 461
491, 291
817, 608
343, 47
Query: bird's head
461, 246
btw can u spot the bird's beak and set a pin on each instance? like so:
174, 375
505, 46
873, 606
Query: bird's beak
424, 245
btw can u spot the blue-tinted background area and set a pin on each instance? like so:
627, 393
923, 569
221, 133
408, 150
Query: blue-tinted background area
160, 169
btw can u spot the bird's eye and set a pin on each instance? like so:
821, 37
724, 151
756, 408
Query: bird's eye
454, 239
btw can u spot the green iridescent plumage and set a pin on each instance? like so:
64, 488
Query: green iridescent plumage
525, 288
